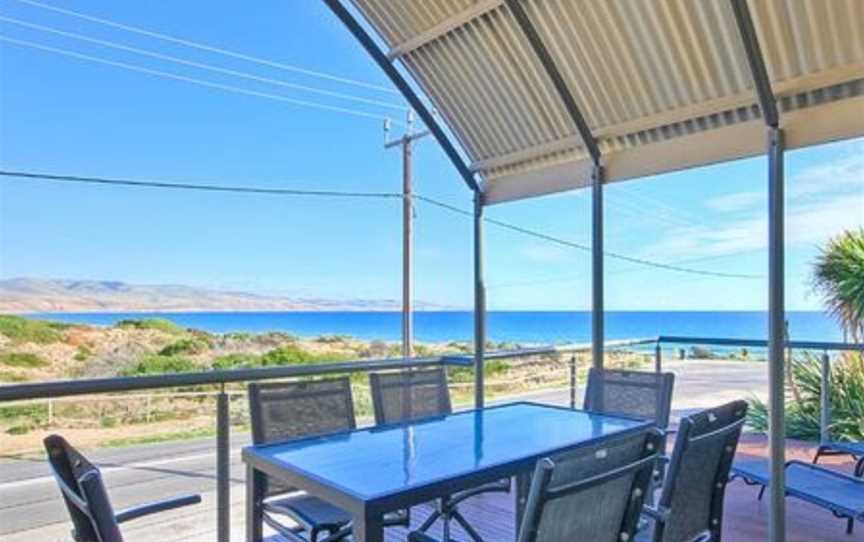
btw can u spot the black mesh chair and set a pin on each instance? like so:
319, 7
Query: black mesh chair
634, 394
591, 493
691, 501
284, 411
415, 395
93, 517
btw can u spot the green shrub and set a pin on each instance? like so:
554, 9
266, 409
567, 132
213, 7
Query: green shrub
156, 364
20, 429
22, 359
24, 330
190, 347
157, 324
491, 368
802, 417
237, 361
287, 355
82, 353
333, 339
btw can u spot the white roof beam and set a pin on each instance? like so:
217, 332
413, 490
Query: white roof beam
444, 27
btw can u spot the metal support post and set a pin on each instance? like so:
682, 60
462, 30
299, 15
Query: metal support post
573, 381
479, 303
776, 336
597, 333
658, 358
825, 400
223, 467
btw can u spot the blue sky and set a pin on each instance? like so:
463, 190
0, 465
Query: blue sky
69, 115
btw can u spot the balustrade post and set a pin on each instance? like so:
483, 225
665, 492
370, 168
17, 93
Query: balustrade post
223, 467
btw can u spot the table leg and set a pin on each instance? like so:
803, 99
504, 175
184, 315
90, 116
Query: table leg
254, 498
368, 529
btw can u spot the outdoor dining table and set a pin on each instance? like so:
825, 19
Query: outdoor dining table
369, 472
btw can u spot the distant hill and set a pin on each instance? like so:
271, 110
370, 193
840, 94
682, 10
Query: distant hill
21, 295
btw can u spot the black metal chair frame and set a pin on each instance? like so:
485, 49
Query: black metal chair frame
542, 493
729, 434
272, 505
447, 508
84, 493
840, 448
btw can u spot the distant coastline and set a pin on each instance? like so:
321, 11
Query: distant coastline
33, 296
524, 327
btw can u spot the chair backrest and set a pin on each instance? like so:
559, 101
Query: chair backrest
83, 491
409, 395
634, 394
284, 411
695, 485
592, 493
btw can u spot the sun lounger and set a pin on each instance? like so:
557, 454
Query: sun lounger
855, 449
840, 493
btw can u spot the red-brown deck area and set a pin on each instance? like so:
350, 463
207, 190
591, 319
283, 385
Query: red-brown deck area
745, 517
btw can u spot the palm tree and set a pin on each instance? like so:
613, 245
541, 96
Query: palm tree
839, 277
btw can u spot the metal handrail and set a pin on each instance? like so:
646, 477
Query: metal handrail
64, 388
761, 343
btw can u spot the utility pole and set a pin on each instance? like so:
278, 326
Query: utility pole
407, 143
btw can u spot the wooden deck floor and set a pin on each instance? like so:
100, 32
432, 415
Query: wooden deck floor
745, 518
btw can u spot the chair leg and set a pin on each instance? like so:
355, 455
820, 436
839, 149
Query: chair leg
475, 536
850, 525
445, 528
819, 451
433, 517
859, 468
762, 492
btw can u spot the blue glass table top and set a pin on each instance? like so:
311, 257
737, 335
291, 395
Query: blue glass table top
370, 463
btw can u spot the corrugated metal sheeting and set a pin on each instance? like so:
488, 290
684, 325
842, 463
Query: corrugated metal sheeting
663, 84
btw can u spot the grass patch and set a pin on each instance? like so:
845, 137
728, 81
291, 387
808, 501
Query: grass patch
237, 361
190, 347
82, 353
22, 359
31, 411
156, 324
161, 437
9, 376
156, 364
24, 330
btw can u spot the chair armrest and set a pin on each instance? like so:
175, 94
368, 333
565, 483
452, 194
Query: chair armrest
657, 514
502, 486
156, 507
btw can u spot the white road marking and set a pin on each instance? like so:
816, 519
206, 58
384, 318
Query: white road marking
118, 468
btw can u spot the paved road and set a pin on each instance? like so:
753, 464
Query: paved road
30, 508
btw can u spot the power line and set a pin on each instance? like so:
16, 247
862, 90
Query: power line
586, 248
210, 48
335, 193
200, 82
199, 65
200, 187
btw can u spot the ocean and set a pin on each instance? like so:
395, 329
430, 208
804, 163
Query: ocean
524, 327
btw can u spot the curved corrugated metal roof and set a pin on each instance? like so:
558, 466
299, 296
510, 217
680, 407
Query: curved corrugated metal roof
663, 85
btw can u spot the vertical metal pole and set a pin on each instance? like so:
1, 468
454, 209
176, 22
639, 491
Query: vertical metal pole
479, 302
223, 473
573, 381
825, 400
776, 334
658, 358
597, 334
407, 246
